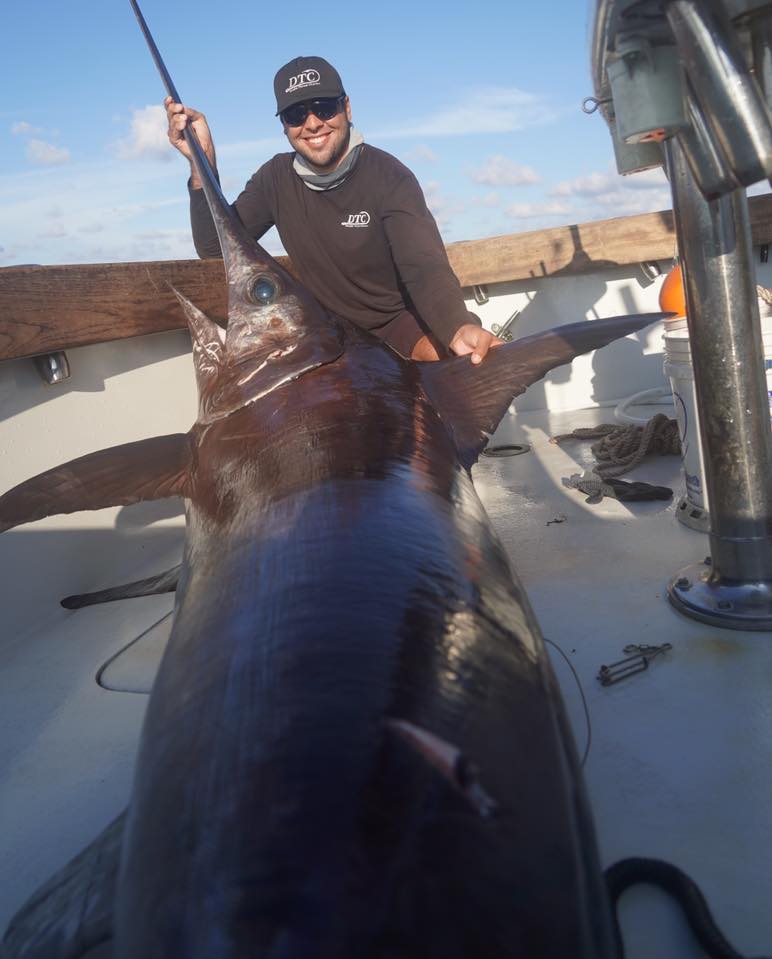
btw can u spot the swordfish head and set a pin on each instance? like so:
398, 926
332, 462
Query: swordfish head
275, 330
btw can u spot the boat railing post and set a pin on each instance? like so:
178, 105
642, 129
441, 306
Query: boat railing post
734, 589
678, 73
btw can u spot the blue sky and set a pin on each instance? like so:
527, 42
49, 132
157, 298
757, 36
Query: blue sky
481, 100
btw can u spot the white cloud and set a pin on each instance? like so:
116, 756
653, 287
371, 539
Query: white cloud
491, 199
608, 194
132, 211
605, 184
485, 110
528, 211
626, 202
252, 149
159, 244
423, 152
22, 128
147, 137
499, 170
646, 180
38, 151
97, 202
442, 207
54, 230
231, 185
593, 184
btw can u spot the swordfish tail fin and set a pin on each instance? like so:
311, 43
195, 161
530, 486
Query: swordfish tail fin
149, 469
473, 399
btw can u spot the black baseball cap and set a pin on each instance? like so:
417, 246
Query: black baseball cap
305, 78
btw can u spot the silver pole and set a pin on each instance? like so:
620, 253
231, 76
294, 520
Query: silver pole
734, 587
735, 110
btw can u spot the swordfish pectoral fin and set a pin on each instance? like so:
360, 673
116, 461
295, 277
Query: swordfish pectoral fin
149, 469
473, 399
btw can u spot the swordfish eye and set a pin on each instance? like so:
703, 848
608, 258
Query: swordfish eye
263, 290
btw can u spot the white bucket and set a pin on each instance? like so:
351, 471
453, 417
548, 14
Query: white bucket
678, 369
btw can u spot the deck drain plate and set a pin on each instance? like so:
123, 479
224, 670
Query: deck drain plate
507, 449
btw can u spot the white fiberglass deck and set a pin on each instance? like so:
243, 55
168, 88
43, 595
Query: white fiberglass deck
679, 762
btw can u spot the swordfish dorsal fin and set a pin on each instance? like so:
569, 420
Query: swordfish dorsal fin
473, 399
149, 469
208, 341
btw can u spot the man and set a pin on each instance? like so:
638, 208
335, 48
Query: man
351, 217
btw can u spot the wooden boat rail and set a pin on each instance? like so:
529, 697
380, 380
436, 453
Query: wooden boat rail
49, 308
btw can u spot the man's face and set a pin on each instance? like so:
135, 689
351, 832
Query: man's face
321, 143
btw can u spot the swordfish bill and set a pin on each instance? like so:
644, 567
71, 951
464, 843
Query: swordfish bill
355, 747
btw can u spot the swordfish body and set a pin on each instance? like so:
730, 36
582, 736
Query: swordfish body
341, 578
342, 591
355, 747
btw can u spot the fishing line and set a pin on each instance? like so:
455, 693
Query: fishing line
106, 665
586, 752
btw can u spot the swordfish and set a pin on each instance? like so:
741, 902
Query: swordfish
355, 747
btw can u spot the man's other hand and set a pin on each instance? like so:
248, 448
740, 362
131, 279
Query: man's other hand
471, 338
180, 117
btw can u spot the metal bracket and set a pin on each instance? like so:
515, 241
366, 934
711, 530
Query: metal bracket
53, 367
480, 294
637, 663
503, 330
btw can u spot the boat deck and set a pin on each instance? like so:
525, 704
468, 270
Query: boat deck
678, 764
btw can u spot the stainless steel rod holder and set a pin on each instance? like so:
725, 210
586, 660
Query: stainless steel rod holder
735, 589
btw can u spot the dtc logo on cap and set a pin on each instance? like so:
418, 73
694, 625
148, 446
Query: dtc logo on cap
357, 219
308, 78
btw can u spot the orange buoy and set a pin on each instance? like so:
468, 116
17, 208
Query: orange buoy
671, 295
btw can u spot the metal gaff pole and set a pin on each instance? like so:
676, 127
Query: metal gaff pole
735, 589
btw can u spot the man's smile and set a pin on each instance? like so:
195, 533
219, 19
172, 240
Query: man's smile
317, 139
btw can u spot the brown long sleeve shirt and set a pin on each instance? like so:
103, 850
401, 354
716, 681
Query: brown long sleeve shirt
368, 249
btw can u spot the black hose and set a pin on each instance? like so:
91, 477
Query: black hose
630, 872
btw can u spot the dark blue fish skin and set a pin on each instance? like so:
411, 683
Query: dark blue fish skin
341, 572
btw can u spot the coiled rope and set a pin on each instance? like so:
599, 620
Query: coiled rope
621, 448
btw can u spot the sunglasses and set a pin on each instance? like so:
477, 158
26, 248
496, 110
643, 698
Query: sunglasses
325, 108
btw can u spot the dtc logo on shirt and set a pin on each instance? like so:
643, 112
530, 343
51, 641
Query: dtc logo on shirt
308, 78
357, 219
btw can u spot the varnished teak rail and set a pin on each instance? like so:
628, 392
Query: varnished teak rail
46, 308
